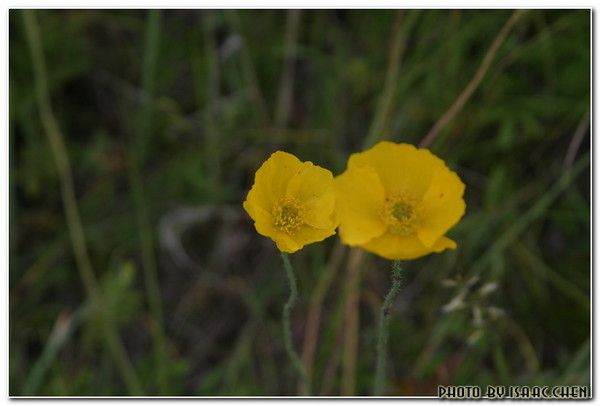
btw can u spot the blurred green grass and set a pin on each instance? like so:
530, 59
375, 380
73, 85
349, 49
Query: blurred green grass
167, 117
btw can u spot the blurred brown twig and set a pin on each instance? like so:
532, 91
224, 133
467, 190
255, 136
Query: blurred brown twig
311, 333
475, 81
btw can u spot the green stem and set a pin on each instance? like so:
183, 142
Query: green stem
384, 322
287, 330
138, 153
385, 104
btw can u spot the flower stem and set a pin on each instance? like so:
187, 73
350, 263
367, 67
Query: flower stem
287, 330
384, 322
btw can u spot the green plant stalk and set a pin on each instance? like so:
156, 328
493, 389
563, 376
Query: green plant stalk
536, 211
60, 335
286, 83
249, 71
382, 333
137, 155
213, 109
287, 330
73, 218
400, 31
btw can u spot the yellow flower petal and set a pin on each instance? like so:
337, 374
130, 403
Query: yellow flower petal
272, 178
402, 168
397, 247
263, 222
307, 235
286, 244
292, 202
320, 213
398, 201
312, 186
360, 196
443, 206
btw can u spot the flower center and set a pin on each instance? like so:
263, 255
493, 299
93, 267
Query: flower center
401, 213
288, 215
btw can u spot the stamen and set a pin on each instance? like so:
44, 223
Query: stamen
401, 213
288, 215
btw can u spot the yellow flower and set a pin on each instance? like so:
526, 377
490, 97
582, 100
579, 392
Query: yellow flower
398, 201
292, 202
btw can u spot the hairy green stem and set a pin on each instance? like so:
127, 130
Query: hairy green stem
287, 330
384, 322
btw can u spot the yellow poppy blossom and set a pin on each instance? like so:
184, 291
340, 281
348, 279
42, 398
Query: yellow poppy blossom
398, 201
292, 202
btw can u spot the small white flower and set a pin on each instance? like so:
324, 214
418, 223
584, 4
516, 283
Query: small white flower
472, 281
449, 283
495, 312
455, 304
474, 337
477, 316
488, 288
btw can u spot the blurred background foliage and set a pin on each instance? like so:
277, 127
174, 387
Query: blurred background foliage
166, 115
